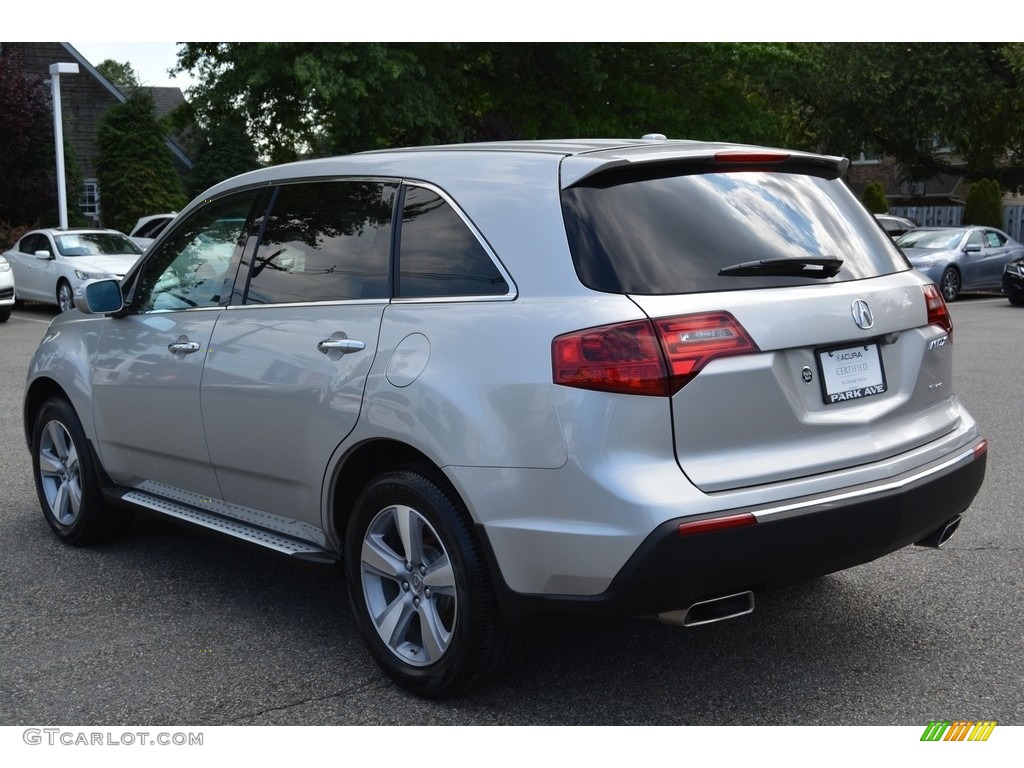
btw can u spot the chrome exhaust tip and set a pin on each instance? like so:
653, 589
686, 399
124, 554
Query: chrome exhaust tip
940, 535
710, 611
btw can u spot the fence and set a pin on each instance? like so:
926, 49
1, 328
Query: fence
952, 216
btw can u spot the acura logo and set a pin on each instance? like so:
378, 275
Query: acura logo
862, 314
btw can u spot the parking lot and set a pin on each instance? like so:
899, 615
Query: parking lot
170, 626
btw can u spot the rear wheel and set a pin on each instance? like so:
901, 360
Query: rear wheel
66, 483
65, 296
5, 314
950, 284
420, 588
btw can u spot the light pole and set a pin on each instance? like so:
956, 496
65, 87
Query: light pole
56, 70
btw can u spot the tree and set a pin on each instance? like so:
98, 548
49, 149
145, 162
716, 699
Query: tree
28, 173
222, 150
874, 197
328, 98
121, 74
907, 100
984, 205
135, 169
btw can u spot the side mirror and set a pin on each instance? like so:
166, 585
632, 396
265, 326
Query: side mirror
99, 297
43, 255
972, 248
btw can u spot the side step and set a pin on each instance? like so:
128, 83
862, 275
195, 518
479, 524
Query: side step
236, 529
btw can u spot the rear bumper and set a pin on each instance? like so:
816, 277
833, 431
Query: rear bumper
808, 538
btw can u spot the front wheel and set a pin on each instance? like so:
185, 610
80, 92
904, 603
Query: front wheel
950, 284
66, 483
65, 296
420, 589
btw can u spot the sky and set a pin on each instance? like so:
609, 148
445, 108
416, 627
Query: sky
149, 60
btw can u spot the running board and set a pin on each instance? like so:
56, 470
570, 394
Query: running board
236, 529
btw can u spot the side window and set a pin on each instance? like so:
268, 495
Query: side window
439, 255
32, 243
975, 238
191, 269
324, 241
994, 240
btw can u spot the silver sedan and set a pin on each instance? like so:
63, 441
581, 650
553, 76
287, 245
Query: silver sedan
961, 258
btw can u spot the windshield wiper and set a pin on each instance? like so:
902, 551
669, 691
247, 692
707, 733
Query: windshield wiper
822, 269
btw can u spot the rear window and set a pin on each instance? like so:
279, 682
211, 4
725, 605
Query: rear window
657, 234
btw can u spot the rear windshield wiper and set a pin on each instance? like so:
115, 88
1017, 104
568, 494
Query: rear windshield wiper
822, 269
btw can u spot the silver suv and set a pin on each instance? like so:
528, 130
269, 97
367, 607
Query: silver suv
497, 380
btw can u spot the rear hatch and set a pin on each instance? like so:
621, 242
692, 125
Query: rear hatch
797, 338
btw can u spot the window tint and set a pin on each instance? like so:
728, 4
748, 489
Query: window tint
324, 241
191, 268
994, 239
440, 255
32, 243
657, 234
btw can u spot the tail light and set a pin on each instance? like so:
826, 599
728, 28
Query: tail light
938, 312
646, 357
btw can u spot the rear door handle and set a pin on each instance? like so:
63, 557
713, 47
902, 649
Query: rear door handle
341, 345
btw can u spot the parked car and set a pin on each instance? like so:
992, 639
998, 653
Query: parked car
148, 228
498, 380
1013, 282
961, 258
6, 290
895, 226
50, 263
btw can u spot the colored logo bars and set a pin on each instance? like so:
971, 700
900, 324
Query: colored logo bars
958, 730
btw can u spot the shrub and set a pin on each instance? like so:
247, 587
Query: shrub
874, 197
984, 204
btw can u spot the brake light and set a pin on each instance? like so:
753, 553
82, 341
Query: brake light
645, 357
938, 312
693, 341
753, 158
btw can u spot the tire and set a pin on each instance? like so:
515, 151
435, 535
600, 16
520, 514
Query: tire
423, 599
1017, 300
65, 296
66, 481
5, 314
950, 284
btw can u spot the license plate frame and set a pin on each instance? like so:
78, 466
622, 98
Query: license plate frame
850, 372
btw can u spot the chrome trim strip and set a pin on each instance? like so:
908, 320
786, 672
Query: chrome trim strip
791, 510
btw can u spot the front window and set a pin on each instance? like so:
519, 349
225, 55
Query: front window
192, 267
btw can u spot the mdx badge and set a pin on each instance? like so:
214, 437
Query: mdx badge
862, 314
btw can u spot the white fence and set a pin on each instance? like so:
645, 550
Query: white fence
952, 216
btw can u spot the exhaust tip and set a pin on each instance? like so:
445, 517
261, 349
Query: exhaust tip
710, 611
941, 535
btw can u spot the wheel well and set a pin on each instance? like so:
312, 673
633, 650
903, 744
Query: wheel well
40, 391
364, 464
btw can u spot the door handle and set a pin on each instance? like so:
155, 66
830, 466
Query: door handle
183, 346
340, 345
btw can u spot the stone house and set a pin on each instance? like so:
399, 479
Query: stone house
84, 99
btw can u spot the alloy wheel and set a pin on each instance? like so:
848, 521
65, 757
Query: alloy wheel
409, 585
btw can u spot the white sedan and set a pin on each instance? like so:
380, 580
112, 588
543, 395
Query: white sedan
49, 264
